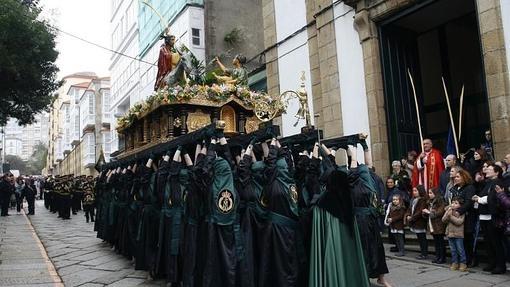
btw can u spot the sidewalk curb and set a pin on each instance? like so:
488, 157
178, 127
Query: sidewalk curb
57, 280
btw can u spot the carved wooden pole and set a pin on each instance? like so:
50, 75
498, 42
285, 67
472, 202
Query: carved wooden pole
146, 130
170, 123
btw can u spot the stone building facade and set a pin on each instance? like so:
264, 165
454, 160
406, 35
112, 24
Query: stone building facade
463, 41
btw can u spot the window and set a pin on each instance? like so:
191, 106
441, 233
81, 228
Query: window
68, 115
90, 143
77, 126
91, 104
195, 36
107, 138
106, 101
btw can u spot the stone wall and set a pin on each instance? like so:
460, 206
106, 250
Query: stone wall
269, 21
324, 67
496, 73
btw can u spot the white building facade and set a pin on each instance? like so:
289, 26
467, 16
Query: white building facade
20, 141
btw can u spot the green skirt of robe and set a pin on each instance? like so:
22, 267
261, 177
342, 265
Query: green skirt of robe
336, 257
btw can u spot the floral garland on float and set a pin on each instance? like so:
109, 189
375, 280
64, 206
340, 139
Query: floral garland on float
215, 93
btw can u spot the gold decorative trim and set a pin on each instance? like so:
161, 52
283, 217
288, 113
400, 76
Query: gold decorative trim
197, 120
252, 124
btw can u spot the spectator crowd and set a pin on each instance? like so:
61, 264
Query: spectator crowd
464, 201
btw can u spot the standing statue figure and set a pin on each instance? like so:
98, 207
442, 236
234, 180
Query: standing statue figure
303, 112
238, 75
168, 59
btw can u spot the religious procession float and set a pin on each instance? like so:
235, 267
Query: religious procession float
206, 192
188, 98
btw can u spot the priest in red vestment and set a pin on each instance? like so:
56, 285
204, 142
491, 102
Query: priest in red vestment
428, 167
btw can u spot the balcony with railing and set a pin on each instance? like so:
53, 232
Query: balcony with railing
88, 122
106, 120
87, 112
89, 160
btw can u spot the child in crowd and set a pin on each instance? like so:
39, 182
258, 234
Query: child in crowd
434, 213
416, 221
455, 234
395, 220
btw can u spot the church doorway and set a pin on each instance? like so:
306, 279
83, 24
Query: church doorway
434, 39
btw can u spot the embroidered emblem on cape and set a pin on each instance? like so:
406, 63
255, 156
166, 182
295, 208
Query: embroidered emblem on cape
226, 201
263, 201
293, 193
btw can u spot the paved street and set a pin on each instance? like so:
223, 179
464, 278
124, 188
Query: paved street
80, 259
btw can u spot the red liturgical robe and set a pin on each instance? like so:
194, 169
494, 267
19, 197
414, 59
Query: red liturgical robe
428, 174
164, 66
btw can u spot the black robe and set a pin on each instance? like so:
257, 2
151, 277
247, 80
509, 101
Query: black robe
219, 248
149, 224
135, 214
364, 200
194, 220
279, 260
122, 241
172, 180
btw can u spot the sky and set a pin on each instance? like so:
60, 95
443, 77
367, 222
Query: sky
87, 19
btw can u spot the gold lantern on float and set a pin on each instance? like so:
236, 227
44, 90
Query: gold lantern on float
228, 115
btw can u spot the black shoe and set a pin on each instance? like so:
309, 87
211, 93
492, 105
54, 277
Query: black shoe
441, 261
473, 263
393, 249
435, 261
488, 268
498, 271
421, 257
400, 254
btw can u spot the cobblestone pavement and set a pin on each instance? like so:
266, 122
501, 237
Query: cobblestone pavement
80, 258
83, 260
23, 261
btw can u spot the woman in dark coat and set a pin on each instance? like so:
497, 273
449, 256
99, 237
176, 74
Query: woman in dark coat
464, 188
491, 215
